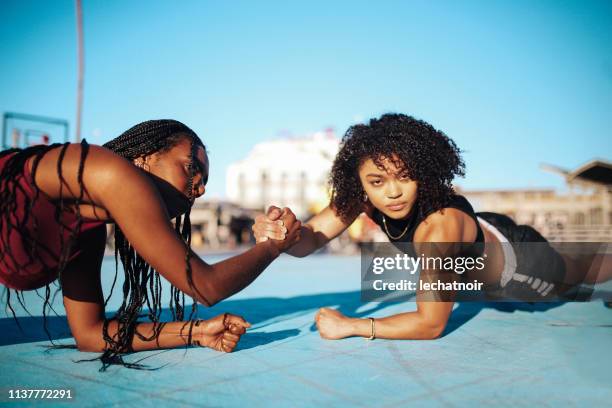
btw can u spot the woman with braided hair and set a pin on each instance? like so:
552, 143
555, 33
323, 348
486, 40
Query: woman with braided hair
55, 201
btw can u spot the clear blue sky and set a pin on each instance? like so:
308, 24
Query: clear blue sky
514, 83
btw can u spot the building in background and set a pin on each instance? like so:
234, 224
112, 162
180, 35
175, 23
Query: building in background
220, 225
290, 172
293, 173
582, 213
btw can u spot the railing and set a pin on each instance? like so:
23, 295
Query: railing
578, 233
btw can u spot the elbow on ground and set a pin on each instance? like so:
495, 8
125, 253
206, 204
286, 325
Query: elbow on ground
88, 344
434, 331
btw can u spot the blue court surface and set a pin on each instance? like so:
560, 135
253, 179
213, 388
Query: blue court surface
497, 354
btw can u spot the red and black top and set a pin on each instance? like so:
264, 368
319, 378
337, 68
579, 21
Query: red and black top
33, 259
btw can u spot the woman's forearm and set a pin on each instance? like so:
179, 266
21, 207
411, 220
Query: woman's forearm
308, 243
145, 224
223, 279
171, 335
404, 326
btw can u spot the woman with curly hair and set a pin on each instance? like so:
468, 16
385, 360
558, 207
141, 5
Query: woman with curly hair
54, 204
399, 171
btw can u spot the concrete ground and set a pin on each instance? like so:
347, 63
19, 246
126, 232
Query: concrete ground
502, 354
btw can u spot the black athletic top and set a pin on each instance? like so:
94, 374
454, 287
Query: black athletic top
396, 227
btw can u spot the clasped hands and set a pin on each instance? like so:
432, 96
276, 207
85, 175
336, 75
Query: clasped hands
223, 332
281, 226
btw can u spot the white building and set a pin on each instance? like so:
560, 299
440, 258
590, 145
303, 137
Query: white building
290, 172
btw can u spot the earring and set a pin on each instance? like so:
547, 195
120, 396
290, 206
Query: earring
365, 197
140, 163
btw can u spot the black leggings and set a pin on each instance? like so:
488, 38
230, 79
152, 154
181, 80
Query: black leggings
538, 264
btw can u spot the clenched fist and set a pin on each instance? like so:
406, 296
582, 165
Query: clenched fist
220, 333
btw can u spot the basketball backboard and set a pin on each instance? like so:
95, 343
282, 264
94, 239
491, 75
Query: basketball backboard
24, 130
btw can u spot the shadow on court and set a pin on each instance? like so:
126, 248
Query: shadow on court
32, 328
264, 311
466, 311
260, 312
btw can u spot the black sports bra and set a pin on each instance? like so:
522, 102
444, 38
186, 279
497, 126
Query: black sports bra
403, 230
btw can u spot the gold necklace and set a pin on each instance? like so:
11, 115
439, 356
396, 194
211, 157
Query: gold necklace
389, 234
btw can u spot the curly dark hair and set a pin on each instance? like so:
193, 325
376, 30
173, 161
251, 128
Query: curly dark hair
427, 155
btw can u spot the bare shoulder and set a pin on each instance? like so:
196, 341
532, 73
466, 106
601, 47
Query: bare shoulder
446, 225
70, 163
72, 156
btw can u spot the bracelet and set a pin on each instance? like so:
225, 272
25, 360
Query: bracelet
193, 342
373, 335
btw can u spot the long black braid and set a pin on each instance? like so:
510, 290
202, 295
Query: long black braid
11, 177
142, 284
